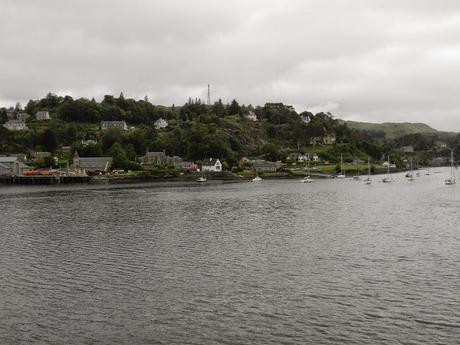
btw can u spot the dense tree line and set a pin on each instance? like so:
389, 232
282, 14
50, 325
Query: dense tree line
196, 130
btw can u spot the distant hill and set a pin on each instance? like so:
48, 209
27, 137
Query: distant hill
392, 129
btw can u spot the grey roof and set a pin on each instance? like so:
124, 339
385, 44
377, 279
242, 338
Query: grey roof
4, 159
264, 164
210, 161
97, 163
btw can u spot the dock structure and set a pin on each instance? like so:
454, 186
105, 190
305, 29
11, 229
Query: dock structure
43, 180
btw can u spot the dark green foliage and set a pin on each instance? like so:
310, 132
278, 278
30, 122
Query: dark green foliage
49, 140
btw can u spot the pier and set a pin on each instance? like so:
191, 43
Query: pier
43, 180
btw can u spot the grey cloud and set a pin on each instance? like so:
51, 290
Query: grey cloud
374, 60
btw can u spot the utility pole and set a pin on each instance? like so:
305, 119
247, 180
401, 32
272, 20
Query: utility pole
209, 95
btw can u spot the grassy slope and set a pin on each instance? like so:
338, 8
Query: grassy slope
391, 129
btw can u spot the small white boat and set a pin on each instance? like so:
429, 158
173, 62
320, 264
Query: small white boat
388, 179
342, 172
368, 180
451, 180
307, 179
257, 179
410, 175
201, 179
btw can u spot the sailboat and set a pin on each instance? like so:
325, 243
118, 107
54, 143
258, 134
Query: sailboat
357, 177
368, 180
451, 180
427, 171
202, 178
307, 179
418, 170
410, 176
387, 179
342, 173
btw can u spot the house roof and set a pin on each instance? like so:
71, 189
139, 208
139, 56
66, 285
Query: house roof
97, 163
155, 154
210, 161
113, 122
4, 159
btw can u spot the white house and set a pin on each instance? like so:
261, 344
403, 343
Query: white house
15, 125
211, 164
161, 123
251, 116
42, 115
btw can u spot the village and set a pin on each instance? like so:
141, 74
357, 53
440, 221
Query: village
68, 165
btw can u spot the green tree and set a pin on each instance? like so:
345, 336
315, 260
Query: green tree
120, 160
234, 108
49, 140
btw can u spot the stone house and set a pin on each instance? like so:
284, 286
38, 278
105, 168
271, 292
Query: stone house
91, 164
23, 116
251, 116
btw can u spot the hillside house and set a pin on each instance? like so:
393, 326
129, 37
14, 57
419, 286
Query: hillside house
114, 124
11, 114
15, 125
328, 140
315, 141
298, 157
42, 116
161, 123
251, 116
23, 116
407, 149
11, 166
211, 164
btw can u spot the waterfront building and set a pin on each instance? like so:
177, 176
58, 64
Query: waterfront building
11, 166
211, 164
91, 165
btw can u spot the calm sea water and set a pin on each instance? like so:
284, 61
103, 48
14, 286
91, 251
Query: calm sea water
276, 262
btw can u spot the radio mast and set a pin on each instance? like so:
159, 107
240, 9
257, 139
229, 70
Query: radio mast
208, 102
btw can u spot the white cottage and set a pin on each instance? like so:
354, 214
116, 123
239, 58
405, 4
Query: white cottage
211, 164
15, 125
161, 123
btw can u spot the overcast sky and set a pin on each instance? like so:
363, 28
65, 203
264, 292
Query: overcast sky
370, 60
